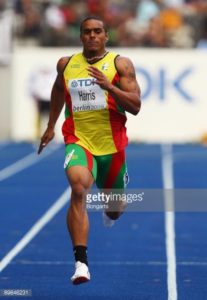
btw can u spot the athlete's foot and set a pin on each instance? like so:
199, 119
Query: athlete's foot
113, 212
108, 222
81, 274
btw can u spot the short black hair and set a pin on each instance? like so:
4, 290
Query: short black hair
93, 18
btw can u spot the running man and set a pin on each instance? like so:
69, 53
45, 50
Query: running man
97, 88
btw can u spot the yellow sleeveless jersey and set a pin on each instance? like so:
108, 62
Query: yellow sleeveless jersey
93, 119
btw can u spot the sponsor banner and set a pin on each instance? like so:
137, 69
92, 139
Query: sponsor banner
86, 95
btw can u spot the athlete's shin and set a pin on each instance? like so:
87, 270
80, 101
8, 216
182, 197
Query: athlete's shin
78, 224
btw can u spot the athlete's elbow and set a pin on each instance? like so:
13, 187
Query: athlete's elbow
136, 109
135, 112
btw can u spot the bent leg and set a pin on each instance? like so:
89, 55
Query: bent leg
113, 177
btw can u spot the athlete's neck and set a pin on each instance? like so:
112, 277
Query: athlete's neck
93, 56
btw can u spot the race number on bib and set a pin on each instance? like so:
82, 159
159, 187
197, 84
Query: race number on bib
86, 95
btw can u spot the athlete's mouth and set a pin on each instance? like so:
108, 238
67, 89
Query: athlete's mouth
92, 43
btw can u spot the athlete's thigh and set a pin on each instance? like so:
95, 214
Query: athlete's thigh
80, 165
112, 171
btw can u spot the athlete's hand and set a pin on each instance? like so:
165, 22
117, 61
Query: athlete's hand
101, 79
46, 138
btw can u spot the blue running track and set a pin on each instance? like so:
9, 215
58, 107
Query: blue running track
137, 259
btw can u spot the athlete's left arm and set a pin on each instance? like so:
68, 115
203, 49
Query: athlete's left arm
128, 94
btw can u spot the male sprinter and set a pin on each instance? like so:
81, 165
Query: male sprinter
97, 87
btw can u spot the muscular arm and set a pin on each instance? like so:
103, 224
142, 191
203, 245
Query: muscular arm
56, 104
128, 93
57, 95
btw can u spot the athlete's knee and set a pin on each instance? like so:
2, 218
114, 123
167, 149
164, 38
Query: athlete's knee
78, 192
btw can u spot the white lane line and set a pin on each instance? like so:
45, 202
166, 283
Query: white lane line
35, 229
99, 263
110, 263
24, 163
168, 185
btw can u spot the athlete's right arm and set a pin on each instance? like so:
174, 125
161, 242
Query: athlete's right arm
56, 104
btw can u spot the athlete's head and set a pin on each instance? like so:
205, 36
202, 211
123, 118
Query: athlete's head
93, 34
93, 18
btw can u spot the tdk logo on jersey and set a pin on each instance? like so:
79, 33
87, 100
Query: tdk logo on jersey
82, 83
74, 83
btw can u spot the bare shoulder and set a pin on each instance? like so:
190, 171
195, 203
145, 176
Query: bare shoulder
61, 64
124, 66
123, 59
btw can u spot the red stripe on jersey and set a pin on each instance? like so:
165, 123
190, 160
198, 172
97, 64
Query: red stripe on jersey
68, 128
117, 120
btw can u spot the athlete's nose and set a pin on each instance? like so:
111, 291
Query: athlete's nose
92, 33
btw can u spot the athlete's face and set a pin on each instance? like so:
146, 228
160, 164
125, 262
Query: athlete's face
93, 36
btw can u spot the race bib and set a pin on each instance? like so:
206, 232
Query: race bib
86, 95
